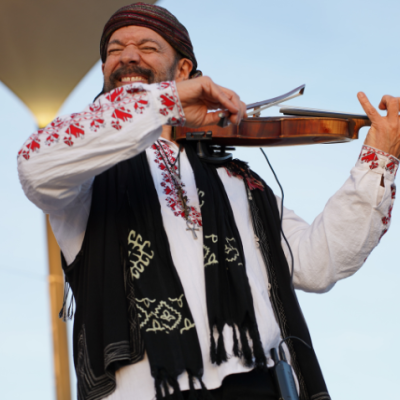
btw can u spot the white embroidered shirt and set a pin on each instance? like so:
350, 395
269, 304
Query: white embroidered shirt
57, 166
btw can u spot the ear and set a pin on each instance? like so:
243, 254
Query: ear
102, 68
183, 69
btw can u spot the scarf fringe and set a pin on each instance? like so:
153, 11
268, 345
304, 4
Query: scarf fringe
236, 351
213, 349
247, 354
221, 352
258, 350
164, 382
251, 357
218, 352
67, 312
204, 394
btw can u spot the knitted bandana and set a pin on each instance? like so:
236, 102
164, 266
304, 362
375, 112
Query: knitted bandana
155, 18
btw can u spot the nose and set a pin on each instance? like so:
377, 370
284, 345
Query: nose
130, 55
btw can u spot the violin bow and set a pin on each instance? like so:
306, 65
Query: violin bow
262, 105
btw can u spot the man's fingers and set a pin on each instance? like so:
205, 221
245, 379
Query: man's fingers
369, 109
212, 118
383, 105
236, 118
227, 100
392, 106
234, 109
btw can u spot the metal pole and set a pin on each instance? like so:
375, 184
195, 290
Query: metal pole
59, 328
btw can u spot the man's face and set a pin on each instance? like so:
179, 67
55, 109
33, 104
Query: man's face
138, 54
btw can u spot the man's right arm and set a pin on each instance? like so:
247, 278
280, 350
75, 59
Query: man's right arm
59, 161
56, 161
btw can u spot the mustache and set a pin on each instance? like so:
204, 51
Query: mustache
132, 69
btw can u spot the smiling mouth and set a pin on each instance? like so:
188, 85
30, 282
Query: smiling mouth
130, 79
126, 75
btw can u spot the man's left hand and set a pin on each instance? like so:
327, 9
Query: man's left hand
384, 133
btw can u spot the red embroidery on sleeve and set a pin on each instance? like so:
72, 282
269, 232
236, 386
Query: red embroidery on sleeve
75, 130
119, 98
115, 95
369, 157
116, 125
386, 220
33, 145
96, 123
68, 141
390, 167
169, 102
140, 105
122, 114
175, 121
52, 138
164, 85
393, 165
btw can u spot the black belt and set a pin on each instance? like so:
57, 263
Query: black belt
253, 385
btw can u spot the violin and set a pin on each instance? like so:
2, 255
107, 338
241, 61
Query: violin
297, 126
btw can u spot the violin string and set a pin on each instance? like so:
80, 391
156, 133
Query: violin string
281, 218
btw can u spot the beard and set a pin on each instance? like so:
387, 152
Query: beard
112, 81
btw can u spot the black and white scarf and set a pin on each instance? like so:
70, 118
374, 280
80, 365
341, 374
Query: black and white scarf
166, 322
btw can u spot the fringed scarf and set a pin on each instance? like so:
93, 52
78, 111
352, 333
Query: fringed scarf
166, 322
128, 293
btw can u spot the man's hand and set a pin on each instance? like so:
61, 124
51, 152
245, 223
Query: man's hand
384, 133
200, 95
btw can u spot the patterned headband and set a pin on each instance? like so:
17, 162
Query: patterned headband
157, 19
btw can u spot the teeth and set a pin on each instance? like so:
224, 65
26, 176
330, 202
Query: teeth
132, 79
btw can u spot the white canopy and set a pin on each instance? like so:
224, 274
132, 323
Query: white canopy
48, 46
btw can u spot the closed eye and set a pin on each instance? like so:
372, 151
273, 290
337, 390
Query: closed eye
113, 50
147, 48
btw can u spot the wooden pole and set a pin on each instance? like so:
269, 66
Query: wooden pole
59, 327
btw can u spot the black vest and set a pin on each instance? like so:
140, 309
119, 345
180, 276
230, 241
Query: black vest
106, 326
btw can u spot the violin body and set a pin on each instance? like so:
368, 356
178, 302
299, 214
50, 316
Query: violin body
278, 131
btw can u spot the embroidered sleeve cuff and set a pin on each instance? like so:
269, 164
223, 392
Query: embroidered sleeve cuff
169, 104
378, 161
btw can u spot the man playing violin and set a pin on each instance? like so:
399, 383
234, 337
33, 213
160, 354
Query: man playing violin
179, 271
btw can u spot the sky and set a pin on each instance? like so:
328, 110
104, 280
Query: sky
260, 49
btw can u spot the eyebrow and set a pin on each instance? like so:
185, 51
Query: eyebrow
116, 41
